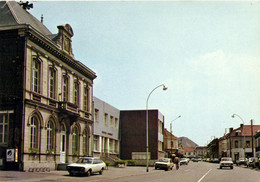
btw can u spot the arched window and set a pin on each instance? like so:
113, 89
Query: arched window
85, 142
50, 136
34, 131
75, 141
36, 65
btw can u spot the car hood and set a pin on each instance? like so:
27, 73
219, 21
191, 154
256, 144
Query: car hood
79, 165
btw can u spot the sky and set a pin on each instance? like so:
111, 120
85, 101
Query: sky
206, 53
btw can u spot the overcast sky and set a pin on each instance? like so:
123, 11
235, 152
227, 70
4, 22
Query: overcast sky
206, 53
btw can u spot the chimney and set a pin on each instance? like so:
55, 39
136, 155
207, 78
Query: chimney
241, 125
230, 130
42, 18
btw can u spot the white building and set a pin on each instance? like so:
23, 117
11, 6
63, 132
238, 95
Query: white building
106, 129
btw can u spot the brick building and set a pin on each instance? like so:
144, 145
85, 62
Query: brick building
46, 94
133, 134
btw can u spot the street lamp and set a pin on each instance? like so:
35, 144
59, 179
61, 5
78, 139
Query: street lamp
147, 122
233, 116
171, 130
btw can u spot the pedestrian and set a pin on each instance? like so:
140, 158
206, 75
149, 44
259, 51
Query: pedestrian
177, 162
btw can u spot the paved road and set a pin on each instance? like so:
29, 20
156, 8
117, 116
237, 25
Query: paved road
194, 172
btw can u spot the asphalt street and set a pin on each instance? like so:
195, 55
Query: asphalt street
193, 172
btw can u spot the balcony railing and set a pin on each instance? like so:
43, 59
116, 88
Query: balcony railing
67, 106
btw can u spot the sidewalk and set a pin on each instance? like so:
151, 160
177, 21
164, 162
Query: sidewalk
111, 173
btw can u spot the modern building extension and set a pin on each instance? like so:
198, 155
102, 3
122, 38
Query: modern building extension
133, 134
106, 141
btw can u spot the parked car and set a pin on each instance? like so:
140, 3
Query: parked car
215, 160
184, 161
164, 163
241, 161
86, 165
195, 160
226, 162
251, 162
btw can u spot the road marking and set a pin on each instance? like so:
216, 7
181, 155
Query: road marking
204, 176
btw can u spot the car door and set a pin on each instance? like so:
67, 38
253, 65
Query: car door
96, 167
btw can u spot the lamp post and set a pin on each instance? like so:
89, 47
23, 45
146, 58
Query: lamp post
233, 116
171, 130
147, 122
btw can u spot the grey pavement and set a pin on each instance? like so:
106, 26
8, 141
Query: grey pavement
111, 173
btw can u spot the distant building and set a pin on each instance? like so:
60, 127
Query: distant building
133, 134
239, 141
46, 94
189, 152
201, 152
106, 130
170, 142
257, 144
213, 151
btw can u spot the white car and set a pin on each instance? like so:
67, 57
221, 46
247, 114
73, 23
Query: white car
226, 162
184, 161
86, 165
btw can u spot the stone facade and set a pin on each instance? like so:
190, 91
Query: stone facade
46, 95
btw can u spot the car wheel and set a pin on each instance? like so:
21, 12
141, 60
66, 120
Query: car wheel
101, 171
220, 167
88, 173
167, 169
231, 167
70, 173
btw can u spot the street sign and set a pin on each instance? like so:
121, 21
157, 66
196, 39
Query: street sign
9, 155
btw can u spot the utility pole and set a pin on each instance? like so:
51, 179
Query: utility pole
252, 138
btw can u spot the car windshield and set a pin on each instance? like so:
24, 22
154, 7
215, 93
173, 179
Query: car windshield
84, 161
163, 160
226, 159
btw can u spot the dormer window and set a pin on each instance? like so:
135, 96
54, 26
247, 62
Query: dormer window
63, 39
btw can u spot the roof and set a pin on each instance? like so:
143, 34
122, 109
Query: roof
167, 133
245, 130
188, 149
11, 14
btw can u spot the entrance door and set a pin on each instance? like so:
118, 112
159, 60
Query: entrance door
63, 145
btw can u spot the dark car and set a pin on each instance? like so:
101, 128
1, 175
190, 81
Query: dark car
215, 160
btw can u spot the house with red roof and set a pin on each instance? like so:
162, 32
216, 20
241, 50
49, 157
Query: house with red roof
189, 152
240, 142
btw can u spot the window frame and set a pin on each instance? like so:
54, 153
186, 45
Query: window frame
52, 85
36, 75
34, 132
75, 140
65, 88
76, 93
5, 129
50, 135
86, 98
